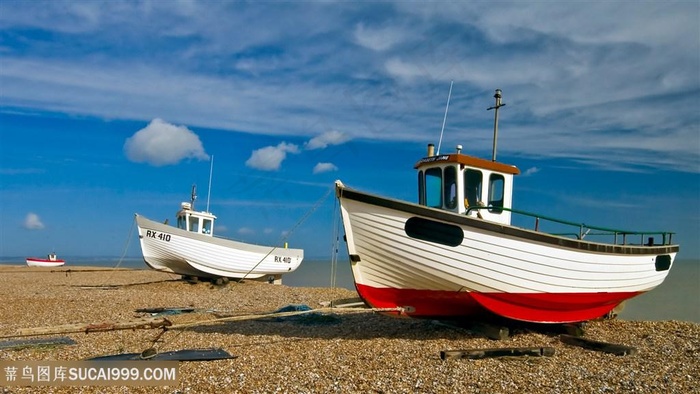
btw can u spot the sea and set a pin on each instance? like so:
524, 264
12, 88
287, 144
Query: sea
678, 298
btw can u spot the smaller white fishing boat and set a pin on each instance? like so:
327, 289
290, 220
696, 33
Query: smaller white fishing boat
50, 261
191, 249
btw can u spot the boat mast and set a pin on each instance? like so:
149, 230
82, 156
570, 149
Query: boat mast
211, 169
193, 196
445, 118
498, 105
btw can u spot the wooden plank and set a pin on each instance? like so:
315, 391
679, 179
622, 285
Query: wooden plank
616, 349
497, 352
207, 354
344, 302
351, 305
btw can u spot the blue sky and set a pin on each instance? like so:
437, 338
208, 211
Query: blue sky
112, 108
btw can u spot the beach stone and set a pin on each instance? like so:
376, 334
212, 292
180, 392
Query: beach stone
362, 352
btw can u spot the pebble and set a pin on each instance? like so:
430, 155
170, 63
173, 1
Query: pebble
358, 352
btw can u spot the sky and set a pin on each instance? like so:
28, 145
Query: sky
109, 108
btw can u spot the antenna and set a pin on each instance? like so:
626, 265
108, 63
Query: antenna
211, 170
445, 118
193, 196
498, 105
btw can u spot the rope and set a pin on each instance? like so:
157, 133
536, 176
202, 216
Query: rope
128, 241
308, 213
280, 314
335, 243
124, 252
121, 259
286, 236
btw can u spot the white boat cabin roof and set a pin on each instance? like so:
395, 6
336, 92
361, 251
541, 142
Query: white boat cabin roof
199, 222
466, 185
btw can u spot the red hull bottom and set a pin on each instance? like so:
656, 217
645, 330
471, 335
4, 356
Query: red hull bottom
530, 307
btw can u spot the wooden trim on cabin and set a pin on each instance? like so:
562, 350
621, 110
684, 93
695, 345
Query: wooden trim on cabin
470, 161
511, 231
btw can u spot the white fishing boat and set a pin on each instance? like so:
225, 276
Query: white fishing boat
191, 249
455, 253
50, 261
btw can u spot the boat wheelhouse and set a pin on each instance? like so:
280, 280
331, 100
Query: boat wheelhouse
201, 222
464, 184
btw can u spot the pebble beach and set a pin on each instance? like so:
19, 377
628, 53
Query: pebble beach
341, 351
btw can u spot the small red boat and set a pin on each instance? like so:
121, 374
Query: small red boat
50, 261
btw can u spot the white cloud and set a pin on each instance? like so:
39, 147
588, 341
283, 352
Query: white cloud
246, 231
530, 171
332, 137
161, 143
270, 158
379, 39
33, 222
324, 167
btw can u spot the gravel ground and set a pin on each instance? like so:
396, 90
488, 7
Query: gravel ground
338, 352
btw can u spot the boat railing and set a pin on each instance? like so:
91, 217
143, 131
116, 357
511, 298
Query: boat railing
586, 230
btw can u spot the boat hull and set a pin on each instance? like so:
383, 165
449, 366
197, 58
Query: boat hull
439, 264
34, 262
170, 249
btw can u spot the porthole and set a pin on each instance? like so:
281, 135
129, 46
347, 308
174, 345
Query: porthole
432, 231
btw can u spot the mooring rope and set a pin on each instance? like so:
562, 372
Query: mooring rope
296, 225
281, 314
335, 243
165, 324
124, 252
126, 245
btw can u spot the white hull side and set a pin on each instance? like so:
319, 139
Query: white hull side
170, 249
485, 261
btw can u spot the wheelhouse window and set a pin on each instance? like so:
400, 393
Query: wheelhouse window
421, 188
496, 193
472, 187
194, 225
433, 187
181, 222
450, 187
207, 225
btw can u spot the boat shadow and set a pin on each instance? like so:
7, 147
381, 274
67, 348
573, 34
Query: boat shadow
356, 326
367, 326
